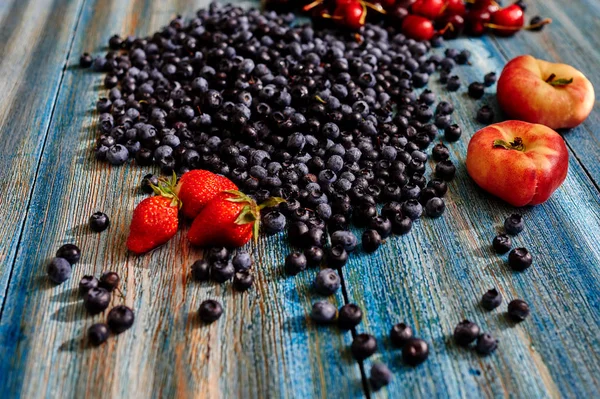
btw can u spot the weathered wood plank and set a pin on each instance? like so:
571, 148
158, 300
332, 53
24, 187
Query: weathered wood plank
434, 277
35, 37
263, 346
571, 39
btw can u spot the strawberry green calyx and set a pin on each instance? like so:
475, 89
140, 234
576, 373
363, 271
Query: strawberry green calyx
167, 188
250, 213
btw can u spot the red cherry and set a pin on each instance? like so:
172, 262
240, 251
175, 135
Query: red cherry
405, 3
428, 8
475, 22
351, 14
488, 5
511, 17
455, 7
387, 4
417, 27
451, 26
397, 13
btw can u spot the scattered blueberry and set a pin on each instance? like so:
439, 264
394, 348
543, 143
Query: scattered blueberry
476, 90
466, 332
415, 351
363, 346
273, 222
491, 299
380, 375
295, 263
337, 256
371, 240
401, 224
148, 181
120, 318
59, 270
70, 252
99, 222
327, 282
241, 261
96, 300
452, 133
445, 170
514, 224
323, 312
314, 256
117, 154
86, 60
350, 315
210, 310
519, 259
400, 334
221, 271
109, 281
489, 79
502, 244
435, 207
243, 280
217, 254
87, 283
201, 270
485, 115
97, 334
518, 310
346, 239
453, 83
486, 344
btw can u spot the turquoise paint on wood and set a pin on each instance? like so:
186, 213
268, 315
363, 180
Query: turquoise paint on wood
264, 345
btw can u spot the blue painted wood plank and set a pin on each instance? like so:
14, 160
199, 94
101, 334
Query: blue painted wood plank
434, 277
34, 43
263, 346
571, 39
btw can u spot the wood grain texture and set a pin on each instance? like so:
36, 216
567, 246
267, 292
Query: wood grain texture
434, 277
262, 346
569, 39
35, 37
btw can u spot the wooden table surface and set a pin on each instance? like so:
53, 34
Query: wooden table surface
265, 345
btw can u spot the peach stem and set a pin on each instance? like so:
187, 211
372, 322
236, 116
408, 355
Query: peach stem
516, 144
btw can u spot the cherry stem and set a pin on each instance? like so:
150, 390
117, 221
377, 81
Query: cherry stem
376, 7
541, 23
515, 28
516, 144
445, 28
312, 5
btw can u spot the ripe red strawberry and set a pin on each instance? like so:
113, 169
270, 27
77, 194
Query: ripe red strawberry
197, 187
155, 219
230, 220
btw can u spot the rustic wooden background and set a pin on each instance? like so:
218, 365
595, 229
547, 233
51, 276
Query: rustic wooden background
265, 345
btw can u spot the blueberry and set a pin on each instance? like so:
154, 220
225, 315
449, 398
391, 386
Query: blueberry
241, 261
518, 310
96, 300
453, 83
314, 255
443, 121
117, 155
401, 224
371, 240
485, 115
519, 259
514, 224
210, 311
380, 375
382, 226
444, 108
346, 239
400, 334
221, 271
476, 90
440, 152
273, 222
466, 332
85, 60
99, 222
491, 299
295, 263
315, 237
435, 207
327, 282
349, 316
486, 344
97, 334
243, 280
217, 254
391, 209
148, 181
70, 252
489, 79
363, 346
439, 186
501, 244
59, 270
120, 318
412, 208
296, 233
463, 57
427, 97
445, 170
87, 283
323, 312
337, 256
415, 351
201, 270
452, 132
109, 281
